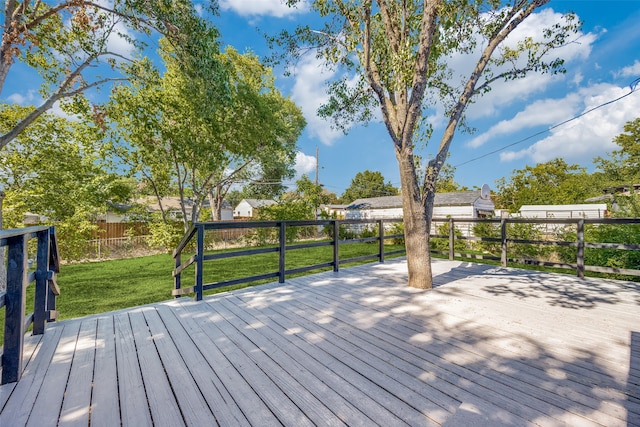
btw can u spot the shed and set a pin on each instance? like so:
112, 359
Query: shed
588, 210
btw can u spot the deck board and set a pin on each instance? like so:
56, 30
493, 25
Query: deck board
487, 345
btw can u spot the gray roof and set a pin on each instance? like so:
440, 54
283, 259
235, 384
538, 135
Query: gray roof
459, 198
258, 203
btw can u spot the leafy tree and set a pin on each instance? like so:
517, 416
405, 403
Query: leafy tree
368, 184
54, 169
66, 41
312, 194
399, 52
200, 145
550, 183
623, 165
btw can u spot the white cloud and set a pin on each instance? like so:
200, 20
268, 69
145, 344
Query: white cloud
304, 164
589, 136
542, 112
276, 8
631, 70
309, 92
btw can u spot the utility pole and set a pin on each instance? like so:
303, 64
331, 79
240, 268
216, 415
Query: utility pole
317, 163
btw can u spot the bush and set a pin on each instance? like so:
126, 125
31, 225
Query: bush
289, 211
442, 245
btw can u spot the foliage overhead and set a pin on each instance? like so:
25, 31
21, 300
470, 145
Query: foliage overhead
78, 45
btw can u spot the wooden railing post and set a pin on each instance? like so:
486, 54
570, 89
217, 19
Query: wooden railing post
283, 250
336, 246
381, 242
452, 239
199, 261
15, 303
503, 237
42, 281
580, 251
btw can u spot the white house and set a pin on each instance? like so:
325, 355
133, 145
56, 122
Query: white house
589, 210
462, 204
248, 208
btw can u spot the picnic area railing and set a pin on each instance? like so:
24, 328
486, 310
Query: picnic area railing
198, 230
14, 299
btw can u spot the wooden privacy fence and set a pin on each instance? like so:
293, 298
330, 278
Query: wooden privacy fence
14, 300
198, 230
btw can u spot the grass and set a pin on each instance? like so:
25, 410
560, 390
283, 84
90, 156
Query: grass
100, 287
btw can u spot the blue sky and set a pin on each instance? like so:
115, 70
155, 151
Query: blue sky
600, 66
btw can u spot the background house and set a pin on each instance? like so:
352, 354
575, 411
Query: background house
463, 204
337, 210
249, 208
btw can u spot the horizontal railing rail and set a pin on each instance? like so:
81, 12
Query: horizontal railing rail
507, 243
197, 232
580, 243
14, 299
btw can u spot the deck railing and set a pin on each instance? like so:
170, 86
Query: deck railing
465, 232
198, 230
546, 226
14, 298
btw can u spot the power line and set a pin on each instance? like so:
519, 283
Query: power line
633, 86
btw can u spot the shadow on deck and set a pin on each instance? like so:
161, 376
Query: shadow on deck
487, 346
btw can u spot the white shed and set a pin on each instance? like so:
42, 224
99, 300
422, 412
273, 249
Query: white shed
590, 210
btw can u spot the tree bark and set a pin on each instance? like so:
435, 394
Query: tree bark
416, 225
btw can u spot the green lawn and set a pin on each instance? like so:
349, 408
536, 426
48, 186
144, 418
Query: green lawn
98, 287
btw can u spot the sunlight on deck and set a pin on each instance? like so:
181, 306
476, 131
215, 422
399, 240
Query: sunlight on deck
487, 346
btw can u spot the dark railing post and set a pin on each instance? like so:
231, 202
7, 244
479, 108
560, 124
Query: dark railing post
452, 239
15, 309
42, 282
177, 279
336, 246
381, 242
580, 251
503, 237
199, 262
283, 250
53, 267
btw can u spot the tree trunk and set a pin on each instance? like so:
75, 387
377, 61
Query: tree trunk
416, 226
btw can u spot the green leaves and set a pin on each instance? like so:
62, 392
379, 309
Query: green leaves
368, 184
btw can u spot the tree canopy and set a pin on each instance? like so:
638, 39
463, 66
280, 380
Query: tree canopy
399, 55
73, 45
368, 184
176, 136
623, 165
552, 183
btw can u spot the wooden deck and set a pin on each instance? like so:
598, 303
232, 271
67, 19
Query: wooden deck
488, 346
